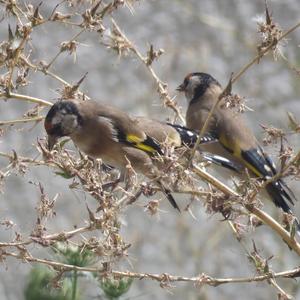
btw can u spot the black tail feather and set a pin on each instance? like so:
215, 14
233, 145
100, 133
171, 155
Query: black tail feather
171, 199
281, 195
290, 194
189, 137
278, 196
169, 196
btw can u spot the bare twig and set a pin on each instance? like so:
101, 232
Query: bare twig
25, 120
264, 217
202, 279
25, 98
161, 86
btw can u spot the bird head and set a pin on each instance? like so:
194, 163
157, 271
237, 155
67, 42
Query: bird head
62, 120
196, 84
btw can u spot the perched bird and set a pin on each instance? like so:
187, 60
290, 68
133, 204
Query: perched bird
236, 141
103, 131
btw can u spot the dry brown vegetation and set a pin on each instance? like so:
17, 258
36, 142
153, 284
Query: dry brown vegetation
99, 243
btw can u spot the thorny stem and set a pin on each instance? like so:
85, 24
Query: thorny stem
201, 279
162, 89
238, 238
262, 53
26, 98
15, 60
25, 120
45, 70
61, 51
60, 236
264, 217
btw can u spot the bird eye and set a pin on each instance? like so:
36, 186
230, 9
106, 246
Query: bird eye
63, 112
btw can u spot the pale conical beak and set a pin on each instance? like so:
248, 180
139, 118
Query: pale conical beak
181, 88
51, 141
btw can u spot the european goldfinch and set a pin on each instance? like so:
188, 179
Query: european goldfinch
236, 140
106, 132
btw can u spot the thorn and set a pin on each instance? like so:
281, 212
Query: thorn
76, 86
94, 9
36, 12
10, 34
268, 16
91, 215
228, 88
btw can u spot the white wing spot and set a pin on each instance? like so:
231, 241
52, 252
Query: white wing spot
259, 152
267, 168
220, 158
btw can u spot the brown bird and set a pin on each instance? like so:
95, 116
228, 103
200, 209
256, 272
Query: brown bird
236, 141
103, 131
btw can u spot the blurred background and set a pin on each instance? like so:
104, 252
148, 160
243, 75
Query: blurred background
217, 37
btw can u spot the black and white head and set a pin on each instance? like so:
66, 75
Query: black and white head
62, 120
196, 84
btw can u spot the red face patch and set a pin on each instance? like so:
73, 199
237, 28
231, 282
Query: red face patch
48, 126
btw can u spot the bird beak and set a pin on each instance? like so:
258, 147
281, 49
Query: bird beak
181, 88
51, 141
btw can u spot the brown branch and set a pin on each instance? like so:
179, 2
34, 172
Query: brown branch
61, 50
21, 97
264, 217
161, 86
60, 236
43, 69
23, 159
262, 53
202, 279
25, 120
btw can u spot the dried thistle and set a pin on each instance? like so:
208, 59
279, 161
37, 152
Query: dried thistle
270, 34
217, 202
115, 41
45, 208
72, 92
273, 135
21, 79
70, 46
152, 207
93, 19
235, 101
261, 264
153, 55
34, 15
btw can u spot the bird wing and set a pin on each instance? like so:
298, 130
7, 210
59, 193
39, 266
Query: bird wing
237, 138
125, 130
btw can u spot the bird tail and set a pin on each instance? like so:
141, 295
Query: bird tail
189, 137
281, 195
168, 195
